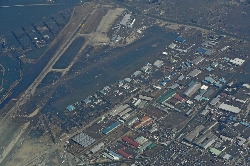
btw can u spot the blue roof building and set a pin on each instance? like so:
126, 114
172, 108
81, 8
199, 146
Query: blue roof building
114, 154
187, 64
111, 128
86, 101
180, 39
217, 84
201, 50
222, 80
102, 92
70, 108
209, 80
190, 83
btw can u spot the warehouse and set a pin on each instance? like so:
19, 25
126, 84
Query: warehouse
205, 140
111, 128
193, 134
141, 140
119, 109
158, 63
124, 154
237, 61
208, 93
97, 147
126, 139
229, 108
192, 89
124, 112
132, 121
83, 139
194, 73
178, 97
70, 108
215, 100
166, 96
115, 155
197, 60
144, 146
110, 157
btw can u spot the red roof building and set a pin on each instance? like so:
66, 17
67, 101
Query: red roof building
145, 118
174, 101
223, 94
178, 97
147, 123
124, 154
126, 139
137, 125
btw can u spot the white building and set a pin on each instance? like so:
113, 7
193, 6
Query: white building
229, 108
237, 61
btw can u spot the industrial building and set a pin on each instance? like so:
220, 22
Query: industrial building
110, 157
192, 89
144, 146
146, 120
194, 73
208, 93
145, 98
158, 63
180, 39
197, 60
237, 61
124, 112
124, 154
215, 101
119, 109
83, 139
229, 108
70, 108
194, 133
115, 155
132, 121
166, 96
126, 139
126, 21
205, 140
111, 128
97, 147
141, 140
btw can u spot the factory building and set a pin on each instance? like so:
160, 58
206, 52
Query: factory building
126, 139
205, 140
197, 60
111, 128
132, 121
124, 154
97, 147
215, 100
194, 73
110, 157
126, 21
144, 146
158, 63
193, 134
83, 139
119, 109
192, 89
70, 108
229, 108
166, 96
115, 155
237, 61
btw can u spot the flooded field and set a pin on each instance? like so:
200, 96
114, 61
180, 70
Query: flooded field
89, 76
49, 79
69, 54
